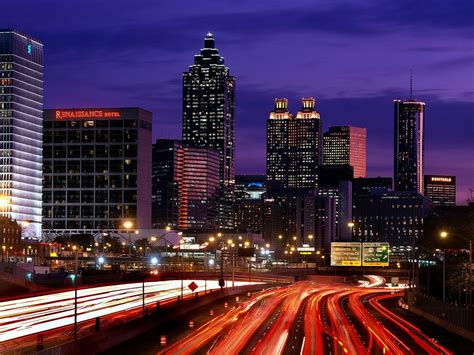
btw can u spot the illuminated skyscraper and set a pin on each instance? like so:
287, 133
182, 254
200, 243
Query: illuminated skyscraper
441, 189
346, 145
21, 136
294, 146
208, 118
198, 188
409, 145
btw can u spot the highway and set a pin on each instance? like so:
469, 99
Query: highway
31, 315
310, 318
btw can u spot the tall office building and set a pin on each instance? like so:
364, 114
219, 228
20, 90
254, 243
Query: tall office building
198, 188
21, 135
409, 145
164, 194
97, 169
208, 118
441, 189
346, 145
294, 146
294, 153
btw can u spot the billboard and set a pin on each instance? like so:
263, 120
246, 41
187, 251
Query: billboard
346, 254
375, 254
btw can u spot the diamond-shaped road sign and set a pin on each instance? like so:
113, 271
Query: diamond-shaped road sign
193, 286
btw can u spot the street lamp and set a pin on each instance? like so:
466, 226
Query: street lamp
128, 225
445, 234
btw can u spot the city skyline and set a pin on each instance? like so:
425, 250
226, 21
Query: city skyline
351, 90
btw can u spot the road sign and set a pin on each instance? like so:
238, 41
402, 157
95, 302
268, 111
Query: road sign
192, 286
375, 254
345, 254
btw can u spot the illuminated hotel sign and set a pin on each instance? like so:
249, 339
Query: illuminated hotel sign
85, 114
440, 179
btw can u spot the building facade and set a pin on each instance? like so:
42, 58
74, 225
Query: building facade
198, 188
249, 205
390, 216
294, 146
96, 169
409, 118
209, 118
346, 145
165, 183
441, 190
21, 118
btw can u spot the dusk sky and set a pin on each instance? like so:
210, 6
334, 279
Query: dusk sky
354, 57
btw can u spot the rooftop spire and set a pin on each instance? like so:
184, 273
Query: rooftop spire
209, 41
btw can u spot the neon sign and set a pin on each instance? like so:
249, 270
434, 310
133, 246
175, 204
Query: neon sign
85, 114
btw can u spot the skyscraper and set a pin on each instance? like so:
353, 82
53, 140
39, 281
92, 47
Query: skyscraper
409, 145
441, 189
294, 146
164, 177
346, 145
21, 117
97, 169
198, 188
294, 153
208, 118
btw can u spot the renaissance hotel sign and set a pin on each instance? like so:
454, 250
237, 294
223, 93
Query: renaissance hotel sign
60, 115
359, 254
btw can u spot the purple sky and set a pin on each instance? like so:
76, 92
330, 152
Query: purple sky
353, 56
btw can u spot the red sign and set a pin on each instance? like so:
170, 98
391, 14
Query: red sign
60, 115
192, 286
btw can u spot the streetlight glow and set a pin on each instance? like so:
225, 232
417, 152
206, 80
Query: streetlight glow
443, 234
128, 224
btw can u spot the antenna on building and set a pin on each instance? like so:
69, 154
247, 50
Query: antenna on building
411, 84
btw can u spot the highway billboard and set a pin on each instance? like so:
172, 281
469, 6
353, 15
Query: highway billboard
346, 254
375, 254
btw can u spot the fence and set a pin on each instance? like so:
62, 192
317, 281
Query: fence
459, 316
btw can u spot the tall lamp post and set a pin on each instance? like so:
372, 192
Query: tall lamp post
76, 269
445, 234
128, 225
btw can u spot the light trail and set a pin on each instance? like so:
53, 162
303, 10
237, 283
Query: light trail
26, 316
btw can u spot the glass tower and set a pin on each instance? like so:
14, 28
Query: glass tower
21, 120
409, 145
208, 118
346, 145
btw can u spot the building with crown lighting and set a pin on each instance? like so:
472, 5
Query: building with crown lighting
208, 118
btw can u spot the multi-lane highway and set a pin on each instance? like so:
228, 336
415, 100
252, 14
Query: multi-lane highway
26, 316
310, 318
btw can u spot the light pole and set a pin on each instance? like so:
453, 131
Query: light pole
76, 268
128, 225
445, 234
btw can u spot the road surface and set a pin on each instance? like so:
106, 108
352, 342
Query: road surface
309, 318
